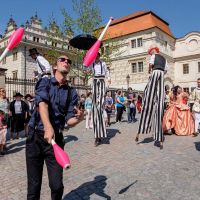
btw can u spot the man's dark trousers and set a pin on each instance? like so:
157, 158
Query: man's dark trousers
38, 150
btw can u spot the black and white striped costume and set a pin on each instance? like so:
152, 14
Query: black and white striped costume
98, 98
155, 86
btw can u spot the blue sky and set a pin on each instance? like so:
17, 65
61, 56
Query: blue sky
183, 16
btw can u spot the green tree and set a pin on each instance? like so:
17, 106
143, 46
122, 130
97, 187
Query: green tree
87, 20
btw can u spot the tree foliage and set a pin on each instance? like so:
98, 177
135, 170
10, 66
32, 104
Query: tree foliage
88, 18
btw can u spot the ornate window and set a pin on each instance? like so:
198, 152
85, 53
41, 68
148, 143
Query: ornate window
14, 74
186, 69
139, 41
140, 67
133, 43
14, 56
134, 67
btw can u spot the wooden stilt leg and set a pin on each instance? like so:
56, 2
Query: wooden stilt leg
161, 145
137, 137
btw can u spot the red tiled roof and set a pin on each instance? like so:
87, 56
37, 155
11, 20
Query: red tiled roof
136, 22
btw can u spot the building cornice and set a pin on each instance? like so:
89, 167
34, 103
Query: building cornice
190, 57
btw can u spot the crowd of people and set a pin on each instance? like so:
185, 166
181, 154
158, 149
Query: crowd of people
14, 116
119, 105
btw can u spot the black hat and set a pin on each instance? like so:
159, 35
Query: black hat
28, 95
18, 94
33, 51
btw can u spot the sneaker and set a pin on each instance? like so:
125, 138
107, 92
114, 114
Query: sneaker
11, 139
2, 153
129, 122
109, 124
19, 138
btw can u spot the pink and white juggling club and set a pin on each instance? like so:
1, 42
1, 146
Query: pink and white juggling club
15, 39
61, 156
92, 53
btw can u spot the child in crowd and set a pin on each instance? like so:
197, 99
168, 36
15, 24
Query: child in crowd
3, 132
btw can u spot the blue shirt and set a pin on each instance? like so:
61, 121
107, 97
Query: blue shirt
88, 104
122, 100
50, 92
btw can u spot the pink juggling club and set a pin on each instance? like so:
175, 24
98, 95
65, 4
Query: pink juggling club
92, 53
61, 156
15, 38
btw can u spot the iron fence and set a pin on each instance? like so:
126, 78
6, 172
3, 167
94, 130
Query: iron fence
14, 85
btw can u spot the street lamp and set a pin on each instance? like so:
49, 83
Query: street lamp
128, 78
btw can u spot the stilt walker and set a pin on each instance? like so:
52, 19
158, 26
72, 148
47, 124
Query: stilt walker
158, 66
99, 69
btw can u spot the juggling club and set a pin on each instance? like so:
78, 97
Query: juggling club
15, 39
92, 53
60, 155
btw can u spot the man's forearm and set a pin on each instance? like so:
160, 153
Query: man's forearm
150, 67
73, 121
44, 114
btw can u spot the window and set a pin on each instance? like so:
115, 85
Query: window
35, 73
4, 61
14, 56
36, 39
4, 44
15, 74
186, 90
165, 44
198, 66
133, 43
134, 67
140, 42
185, 69
140, 67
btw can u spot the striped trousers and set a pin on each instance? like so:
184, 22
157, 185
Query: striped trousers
98, 104
155, 86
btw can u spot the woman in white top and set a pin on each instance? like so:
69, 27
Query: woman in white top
18, 112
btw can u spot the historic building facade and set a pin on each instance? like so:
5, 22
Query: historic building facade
18, 62
141, 31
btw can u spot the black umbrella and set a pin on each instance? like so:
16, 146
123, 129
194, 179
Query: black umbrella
83, 41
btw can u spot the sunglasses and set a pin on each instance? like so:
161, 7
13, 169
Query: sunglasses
63, 60
2, 90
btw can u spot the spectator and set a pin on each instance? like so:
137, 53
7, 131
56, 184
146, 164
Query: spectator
116, 95
191, 101
109, 103
82, 102
3, 131
131, 97
3, 102
32, 97
120, 107
18, 112
139, 102
30, 108
88, 111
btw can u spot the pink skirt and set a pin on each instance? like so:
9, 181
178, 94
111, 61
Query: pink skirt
3, 133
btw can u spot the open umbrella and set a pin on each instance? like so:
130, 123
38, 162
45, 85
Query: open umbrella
83, 41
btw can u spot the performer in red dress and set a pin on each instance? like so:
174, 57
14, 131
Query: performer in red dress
139, 102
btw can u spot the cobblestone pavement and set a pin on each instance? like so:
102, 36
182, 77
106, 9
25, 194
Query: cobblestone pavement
119, 168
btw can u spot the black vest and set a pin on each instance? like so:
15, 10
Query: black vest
159, 63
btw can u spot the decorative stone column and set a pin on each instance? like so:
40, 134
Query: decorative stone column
2, 77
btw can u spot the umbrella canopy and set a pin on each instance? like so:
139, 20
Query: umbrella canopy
83, 41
